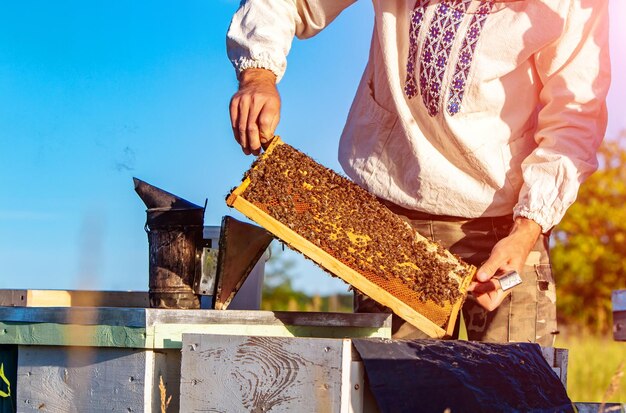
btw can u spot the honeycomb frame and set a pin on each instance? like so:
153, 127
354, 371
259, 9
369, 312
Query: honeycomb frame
436, 320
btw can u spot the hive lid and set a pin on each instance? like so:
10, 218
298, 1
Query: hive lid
240, 248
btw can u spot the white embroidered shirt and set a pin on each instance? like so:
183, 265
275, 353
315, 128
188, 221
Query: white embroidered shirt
466, 108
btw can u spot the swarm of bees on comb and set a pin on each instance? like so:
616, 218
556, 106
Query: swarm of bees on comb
347, 222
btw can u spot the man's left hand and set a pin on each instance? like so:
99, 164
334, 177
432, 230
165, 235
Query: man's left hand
510, 253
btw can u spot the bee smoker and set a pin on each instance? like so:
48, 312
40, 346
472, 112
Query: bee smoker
174, 227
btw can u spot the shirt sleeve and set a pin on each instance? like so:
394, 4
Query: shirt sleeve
261, 31
575, 73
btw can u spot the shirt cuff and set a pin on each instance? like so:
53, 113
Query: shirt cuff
243, 63
538, 216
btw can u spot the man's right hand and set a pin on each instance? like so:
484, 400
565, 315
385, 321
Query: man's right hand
255, 109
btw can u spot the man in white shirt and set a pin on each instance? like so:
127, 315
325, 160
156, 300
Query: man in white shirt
475, 120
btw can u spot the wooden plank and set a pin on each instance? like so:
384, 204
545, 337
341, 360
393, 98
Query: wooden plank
63, 380
153, 328
356, 388
126, 317
80, 379
561, 356
50, 334
249, 317
73, 298
347, 378
361, 400
11, 298
51, 298
158, 337
170, 335
162, 336
144, 317
235, 373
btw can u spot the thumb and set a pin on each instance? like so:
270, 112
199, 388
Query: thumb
488, 269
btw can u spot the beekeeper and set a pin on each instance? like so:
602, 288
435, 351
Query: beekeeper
474, 120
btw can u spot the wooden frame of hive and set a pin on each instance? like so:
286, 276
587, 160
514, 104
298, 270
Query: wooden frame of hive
341, 270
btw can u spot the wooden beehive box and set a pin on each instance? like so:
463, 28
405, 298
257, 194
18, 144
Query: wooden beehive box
349, 233
285, 374
271, 374
58, 358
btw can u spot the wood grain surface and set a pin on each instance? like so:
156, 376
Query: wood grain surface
76, 380
261, 374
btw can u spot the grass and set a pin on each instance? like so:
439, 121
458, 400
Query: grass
593, 368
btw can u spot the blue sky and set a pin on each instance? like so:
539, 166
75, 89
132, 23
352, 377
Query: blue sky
93, 93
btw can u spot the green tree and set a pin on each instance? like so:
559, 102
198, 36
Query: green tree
278, 291
589, 253
279, 294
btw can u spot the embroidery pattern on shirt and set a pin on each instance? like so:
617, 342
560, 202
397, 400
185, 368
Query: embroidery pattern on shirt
436, 52
466, 55
437, 49
417, 15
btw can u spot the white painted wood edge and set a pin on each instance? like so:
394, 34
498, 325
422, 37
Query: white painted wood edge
148, 380
357, 387
346, 383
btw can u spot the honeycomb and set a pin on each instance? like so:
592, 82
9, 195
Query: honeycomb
354, 227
